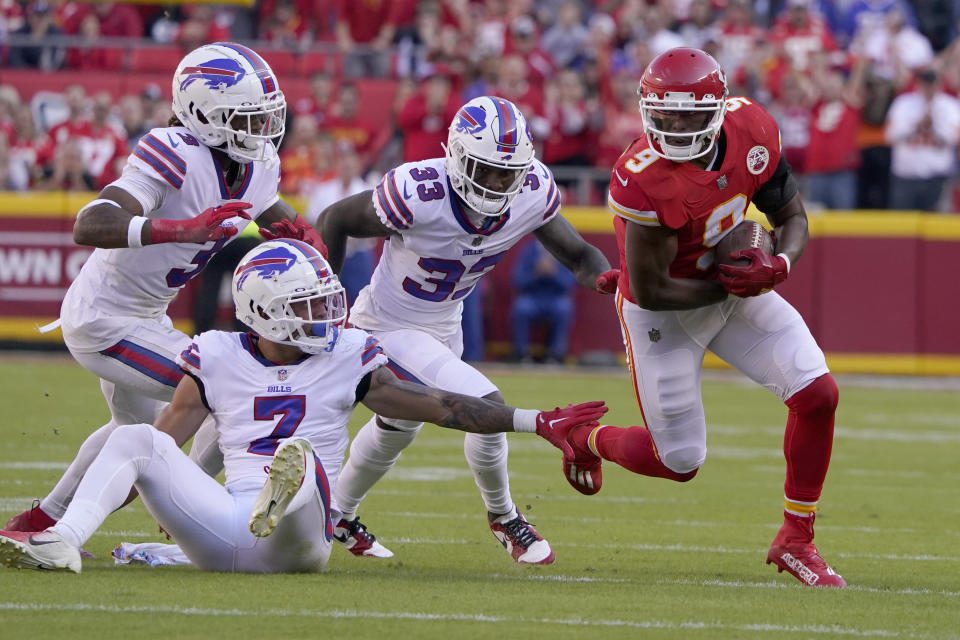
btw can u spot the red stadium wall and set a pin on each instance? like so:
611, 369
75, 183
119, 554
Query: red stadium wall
878, 290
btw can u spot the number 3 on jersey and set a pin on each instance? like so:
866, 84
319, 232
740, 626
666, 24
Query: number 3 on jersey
450, 271
723, 218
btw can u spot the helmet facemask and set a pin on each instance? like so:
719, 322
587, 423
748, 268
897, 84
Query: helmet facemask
310, 320
680, 127
251, 132
488, 187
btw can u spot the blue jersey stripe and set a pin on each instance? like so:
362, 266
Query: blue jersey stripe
159, 167
166, 152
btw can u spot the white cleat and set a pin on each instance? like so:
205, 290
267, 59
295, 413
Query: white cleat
289, 466
43, 551
353, 535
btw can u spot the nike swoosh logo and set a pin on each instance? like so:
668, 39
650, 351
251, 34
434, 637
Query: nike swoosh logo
38, 543
406, 196
550, 422
622, 181
172, 143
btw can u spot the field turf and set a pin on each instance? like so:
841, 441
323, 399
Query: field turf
642, 559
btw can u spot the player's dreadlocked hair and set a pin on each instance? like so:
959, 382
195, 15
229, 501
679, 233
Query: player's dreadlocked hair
174, 121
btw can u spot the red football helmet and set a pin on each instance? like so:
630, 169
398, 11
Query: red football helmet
683, 96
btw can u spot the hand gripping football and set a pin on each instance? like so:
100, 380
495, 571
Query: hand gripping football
746, 235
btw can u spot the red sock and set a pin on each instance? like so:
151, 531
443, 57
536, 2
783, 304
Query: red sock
809, 438
632, 448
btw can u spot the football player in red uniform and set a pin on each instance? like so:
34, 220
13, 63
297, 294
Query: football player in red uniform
676, 192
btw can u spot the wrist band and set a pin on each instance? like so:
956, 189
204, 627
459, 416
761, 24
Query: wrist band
134, 232
785, 259
525, 420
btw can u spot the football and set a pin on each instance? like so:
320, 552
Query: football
746, 235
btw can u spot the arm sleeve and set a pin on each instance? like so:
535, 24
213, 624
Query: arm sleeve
189, 361
778, 190
390, 201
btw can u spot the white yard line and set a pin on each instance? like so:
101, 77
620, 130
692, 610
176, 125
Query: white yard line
690, 625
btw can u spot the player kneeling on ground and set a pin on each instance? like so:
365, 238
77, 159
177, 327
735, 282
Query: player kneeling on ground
280, 399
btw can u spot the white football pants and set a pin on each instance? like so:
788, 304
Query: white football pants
208, 523
763, 337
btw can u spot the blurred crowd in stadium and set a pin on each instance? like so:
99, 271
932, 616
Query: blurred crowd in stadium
865, 91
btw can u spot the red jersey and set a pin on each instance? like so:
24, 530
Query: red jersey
701, 206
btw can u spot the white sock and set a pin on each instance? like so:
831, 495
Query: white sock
57, 501
487, 456
373, 452
107, 482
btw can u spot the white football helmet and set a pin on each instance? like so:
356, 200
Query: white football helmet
286, 292
489, 151
229, 98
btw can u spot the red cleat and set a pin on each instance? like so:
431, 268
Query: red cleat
581, 466
793, 551
31, 520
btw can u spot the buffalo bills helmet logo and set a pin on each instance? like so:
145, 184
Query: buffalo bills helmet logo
215, 73
269, 263
471, 120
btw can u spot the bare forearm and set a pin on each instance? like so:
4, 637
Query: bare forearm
588, 268
677, 293
792, 237
392, 398
105, 226
334, 237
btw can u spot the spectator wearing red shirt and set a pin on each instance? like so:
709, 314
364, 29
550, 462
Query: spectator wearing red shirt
513, 84
833, 155
523, 42
345, 123
425, 116
622, 123
738, 36
800, 32
317, 102
100, 145
571, 124
365, 30
88, 56
296, 154
200, 28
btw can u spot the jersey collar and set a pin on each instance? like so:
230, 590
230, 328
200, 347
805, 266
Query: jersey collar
490, 225
249, 341
222, 180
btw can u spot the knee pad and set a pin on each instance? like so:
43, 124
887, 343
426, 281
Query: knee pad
675, 391
684, 460
392, 424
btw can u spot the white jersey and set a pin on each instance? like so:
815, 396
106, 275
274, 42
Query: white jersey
175, 177
441, 253
257, 403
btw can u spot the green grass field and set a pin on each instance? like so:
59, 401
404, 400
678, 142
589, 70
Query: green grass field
642, 559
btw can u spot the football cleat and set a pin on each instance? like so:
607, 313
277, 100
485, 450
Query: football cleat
287, 471
520, 539
583, 468
793, 551
33, 519
353, 535
43, 551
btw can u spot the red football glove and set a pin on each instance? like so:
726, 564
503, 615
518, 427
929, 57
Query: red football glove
607, 281
205, 227
298, 230
555, 425
762, 274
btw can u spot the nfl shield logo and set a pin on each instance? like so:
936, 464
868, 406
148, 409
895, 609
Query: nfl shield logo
654, 335
282, 375
477, 240
722, 182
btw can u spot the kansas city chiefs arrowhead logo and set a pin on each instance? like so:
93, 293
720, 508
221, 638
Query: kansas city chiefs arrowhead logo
757, 159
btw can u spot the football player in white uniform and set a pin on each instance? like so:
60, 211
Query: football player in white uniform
184, 191
280, 399
448, 221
